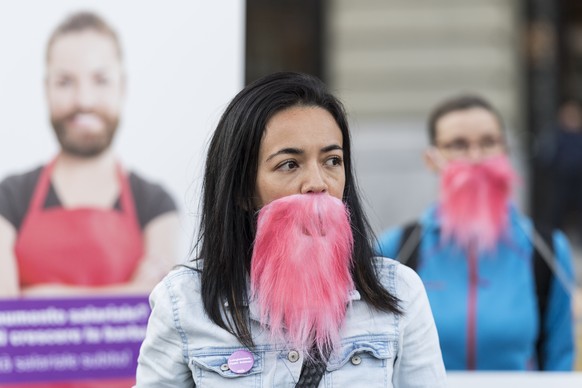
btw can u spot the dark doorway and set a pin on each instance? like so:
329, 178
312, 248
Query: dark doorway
554, 64
570, 49
284, 35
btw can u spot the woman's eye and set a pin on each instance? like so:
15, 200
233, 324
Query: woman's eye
288, 165
334, 161
459, 145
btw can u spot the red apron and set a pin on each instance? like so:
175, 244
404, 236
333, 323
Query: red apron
81, 246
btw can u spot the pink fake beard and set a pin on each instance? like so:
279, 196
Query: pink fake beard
474, 201
300, 269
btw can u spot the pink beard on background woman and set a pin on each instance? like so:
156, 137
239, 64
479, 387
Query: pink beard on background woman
474, 201
300, 269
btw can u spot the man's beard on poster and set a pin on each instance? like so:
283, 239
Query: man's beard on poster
301, 270
93, 144
474, 201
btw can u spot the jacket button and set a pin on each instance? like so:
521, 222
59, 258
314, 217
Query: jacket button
224, 367
293, 356
356, 360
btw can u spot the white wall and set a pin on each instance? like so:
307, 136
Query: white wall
184, 60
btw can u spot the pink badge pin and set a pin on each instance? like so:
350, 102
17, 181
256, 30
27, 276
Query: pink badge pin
241, 361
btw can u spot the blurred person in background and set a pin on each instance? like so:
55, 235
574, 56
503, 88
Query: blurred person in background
500, 288
566, 166
81, 224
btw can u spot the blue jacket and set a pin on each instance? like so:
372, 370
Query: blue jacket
183, 348
485, 307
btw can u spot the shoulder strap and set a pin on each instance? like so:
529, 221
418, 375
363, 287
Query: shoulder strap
543, 278
313, 369
409, 243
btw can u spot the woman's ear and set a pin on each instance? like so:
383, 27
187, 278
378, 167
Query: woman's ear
433, 160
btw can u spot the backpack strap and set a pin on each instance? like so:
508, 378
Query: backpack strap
543, 278
409, 243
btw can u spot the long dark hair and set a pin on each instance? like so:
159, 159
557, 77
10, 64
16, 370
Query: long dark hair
228, 220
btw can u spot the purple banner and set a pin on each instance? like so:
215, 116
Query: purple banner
70, 339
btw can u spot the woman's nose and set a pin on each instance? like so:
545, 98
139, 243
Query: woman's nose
314, 181
475, 154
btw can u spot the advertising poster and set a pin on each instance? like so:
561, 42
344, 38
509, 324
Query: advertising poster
75, 278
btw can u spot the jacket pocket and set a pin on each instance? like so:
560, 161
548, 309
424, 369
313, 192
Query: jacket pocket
365, 360
210, 369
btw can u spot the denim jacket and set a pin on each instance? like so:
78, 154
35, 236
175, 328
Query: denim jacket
184, 348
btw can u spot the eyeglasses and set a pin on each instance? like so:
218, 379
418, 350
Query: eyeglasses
462, 147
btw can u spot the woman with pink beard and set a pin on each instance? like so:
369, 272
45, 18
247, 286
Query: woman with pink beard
475, 253
284, 290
